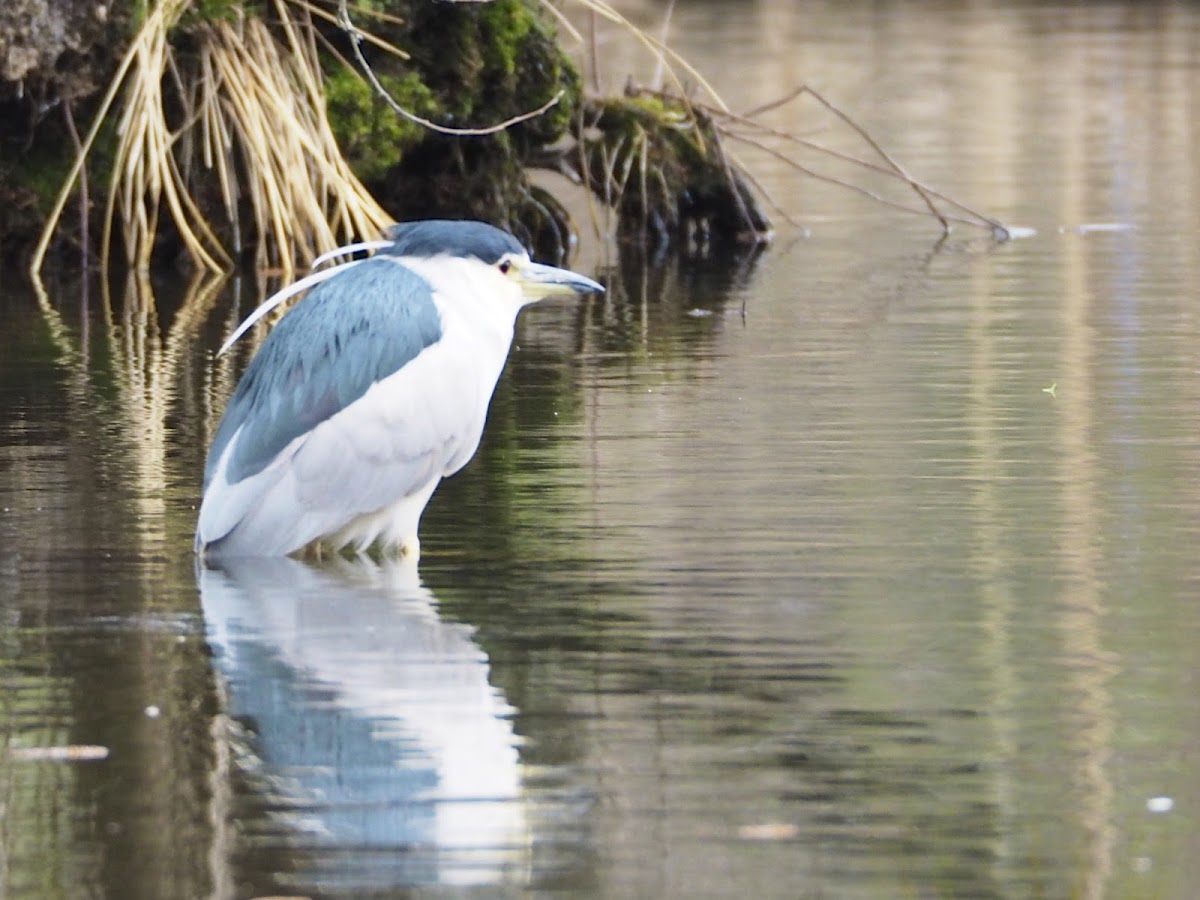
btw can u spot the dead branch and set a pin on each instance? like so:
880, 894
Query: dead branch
745, 128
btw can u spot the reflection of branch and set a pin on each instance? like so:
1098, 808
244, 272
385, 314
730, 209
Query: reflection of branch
69, 356
146, 367
356, 38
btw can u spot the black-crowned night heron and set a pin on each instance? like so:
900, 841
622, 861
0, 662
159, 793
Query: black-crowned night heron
370, 391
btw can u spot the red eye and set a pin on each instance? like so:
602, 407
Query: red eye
505, 266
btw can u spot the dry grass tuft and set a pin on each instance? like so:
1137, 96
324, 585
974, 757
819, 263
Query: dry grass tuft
251, 117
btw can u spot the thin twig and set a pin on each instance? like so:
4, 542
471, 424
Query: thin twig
367, 36
594, 49
744, 119
585, 171
657, 80
980, 218
658, 47
829, 179
773, 104
84, 197
762, 191
563, 21
643, 166
865, 135
731, 181
723, 119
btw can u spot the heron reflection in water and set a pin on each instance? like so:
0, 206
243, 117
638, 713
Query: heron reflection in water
362, 722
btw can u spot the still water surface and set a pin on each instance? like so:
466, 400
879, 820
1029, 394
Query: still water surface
863, 568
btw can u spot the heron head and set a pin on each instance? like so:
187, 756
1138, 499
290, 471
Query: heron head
496, 256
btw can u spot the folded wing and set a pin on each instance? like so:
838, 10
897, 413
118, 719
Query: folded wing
335, 417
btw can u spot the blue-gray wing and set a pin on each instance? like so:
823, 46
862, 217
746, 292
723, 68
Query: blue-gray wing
358, 328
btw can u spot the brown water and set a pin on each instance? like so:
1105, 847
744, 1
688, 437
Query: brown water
780, 577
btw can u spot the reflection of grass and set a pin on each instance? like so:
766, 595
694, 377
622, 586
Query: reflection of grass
147, 367
251, 118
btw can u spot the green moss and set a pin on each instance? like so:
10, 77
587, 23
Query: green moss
372, 135
521, 54
39, 180
504, 27
492, 61
677, 143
